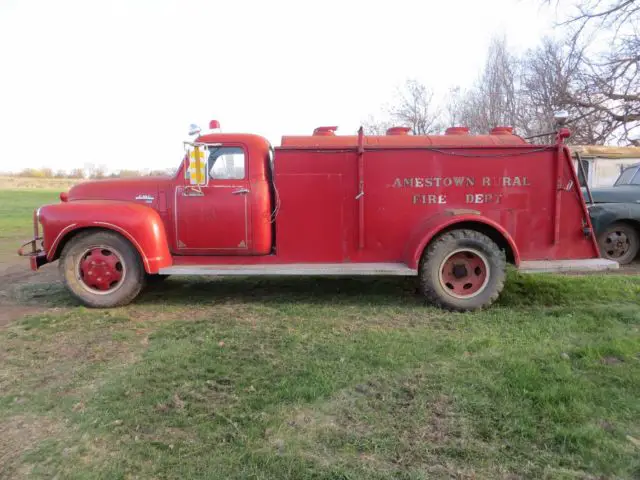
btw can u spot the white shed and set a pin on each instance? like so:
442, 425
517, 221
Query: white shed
603, 164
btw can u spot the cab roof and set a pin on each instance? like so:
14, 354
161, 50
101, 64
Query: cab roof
248, 139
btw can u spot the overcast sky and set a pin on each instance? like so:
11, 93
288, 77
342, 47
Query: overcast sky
117, 82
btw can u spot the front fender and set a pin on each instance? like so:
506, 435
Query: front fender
604, 214
139, 224
432, 226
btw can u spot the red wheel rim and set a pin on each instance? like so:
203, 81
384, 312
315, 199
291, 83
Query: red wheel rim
464, 273
101, 269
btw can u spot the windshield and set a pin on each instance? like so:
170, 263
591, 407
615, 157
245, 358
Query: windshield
629, 177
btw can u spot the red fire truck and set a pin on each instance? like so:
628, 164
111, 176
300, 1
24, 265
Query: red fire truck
451, 210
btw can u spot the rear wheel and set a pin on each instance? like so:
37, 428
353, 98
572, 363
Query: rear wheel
619, 242
102, 269
462, 270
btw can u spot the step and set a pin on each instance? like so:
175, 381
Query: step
566, 266
309, 269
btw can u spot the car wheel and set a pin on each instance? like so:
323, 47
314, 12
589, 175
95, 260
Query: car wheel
462, 270
619, 242
102, 269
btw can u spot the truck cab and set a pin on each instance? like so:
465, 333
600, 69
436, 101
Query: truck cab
451, 210
228, 210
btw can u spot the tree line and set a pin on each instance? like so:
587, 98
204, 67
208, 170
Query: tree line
91, 173
591, 70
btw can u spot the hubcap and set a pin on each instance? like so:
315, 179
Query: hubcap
464, 273
616, 244
101, 269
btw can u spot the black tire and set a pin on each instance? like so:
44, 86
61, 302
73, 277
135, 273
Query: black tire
73, 262
619, 242
471, 248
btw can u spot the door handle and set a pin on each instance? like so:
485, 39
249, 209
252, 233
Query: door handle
192, 192
242, 191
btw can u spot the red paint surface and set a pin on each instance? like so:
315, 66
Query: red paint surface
221, 222
322, 218
140, 224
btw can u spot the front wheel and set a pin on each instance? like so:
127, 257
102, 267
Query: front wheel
102, 269
462, 270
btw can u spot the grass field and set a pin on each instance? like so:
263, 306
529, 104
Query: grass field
16, 216
321, 379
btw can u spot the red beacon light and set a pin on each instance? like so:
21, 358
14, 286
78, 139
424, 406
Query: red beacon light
214, 125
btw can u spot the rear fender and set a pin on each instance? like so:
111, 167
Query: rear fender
448, 219
139, 224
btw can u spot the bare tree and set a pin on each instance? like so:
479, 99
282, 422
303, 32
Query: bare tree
594, 75
99, 172
609, 79
493, 100
416, 109
551, 76
413, 107
524, 93
76, 173
376, 125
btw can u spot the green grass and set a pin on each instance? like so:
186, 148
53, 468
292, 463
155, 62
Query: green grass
333, 378
325, 379
16, 215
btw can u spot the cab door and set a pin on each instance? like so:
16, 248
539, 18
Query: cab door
214, 219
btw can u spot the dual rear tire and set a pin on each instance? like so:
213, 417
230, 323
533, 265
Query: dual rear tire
462, 270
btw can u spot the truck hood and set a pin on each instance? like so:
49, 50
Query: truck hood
621, 194
139, 190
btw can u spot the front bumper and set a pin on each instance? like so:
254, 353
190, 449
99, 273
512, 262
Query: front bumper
37, 255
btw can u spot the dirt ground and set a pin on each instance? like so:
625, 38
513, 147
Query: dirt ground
13, 275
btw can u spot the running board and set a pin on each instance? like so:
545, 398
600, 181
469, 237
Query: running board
310, 269
565, 266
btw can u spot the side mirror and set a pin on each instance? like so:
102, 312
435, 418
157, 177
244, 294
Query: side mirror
196, 171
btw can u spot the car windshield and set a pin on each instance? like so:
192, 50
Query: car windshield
629, 177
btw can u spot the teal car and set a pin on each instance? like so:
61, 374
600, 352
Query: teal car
615, 216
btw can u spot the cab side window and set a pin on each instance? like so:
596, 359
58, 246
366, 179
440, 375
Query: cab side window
226, 163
